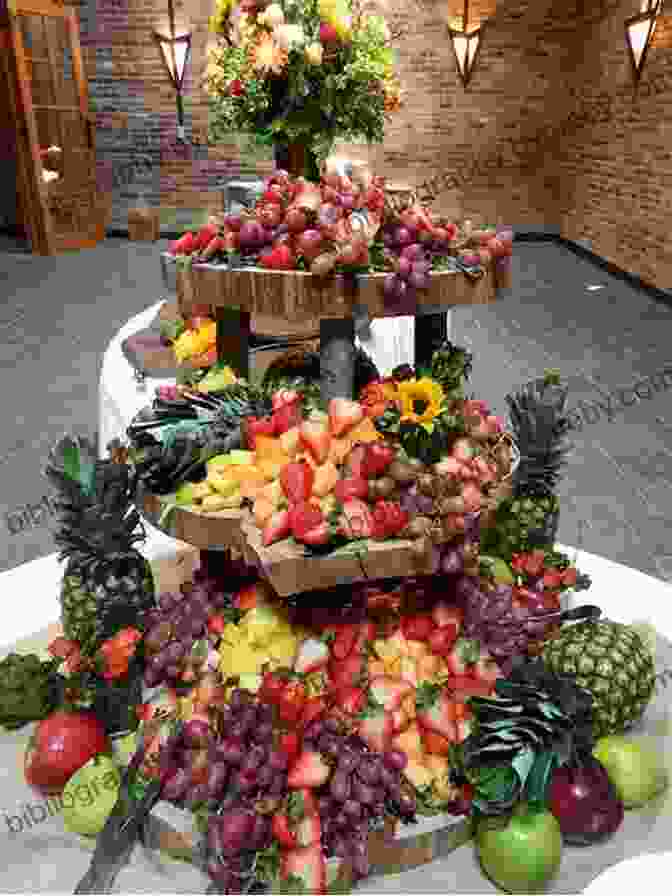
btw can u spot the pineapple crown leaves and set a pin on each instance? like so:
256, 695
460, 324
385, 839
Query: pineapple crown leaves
451, 366
540, 432
71, 467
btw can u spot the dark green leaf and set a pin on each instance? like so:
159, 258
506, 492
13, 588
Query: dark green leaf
539, 776
523, 763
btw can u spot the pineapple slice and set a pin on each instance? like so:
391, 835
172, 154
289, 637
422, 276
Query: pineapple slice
201, 490
213, 503
222, 485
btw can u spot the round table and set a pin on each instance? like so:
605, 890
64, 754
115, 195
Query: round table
44, 858
120, 396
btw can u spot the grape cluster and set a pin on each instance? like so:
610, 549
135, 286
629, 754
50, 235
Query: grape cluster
414, 261
363, 786
504, 625
232, 777
175, 627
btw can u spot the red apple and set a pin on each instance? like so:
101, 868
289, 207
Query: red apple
61, 744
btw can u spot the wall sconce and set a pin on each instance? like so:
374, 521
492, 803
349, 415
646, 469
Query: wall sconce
175, 52
639, 31
466, 44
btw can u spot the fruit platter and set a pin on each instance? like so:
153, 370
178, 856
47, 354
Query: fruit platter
311, 251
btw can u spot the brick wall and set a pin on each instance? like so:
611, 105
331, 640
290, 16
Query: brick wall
548, 133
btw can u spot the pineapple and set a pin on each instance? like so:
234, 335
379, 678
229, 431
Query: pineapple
451, 366
107, 584
528, 519
611, 662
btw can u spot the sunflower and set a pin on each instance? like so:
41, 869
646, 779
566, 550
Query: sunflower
195, 342
421, 400
267, 56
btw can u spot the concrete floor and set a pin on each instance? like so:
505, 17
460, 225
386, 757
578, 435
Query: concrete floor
57, 316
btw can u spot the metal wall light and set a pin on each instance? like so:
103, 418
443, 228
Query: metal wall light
639, 31
466, 43
175, 51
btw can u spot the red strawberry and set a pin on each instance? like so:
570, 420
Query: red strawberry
343, 415
417, 628
268, 259
534, 562
378, 458
377, 730
276, 528
282, 831
216, 624
309, 830
287, 416
185, 245
390, 519
346, 673
312, 655
355, 462
351, 487
314, 708
388, 691
342, 645
272, 687
356, 520
291, 702
303, 517
308, 770
441, 640
271, 196
368, 631
553, 578
283, 397
445, 615
204, 236
285, 260
290, 745
569, 577
350, 700
309, 865
315, 436
463, 655
258, 426
297, 480
436, 710
463, 687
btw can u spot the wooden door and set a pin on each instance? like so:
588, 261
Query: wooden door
53, 110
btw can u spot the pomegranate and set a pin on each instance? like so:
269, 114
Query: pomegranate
61, 744
584, 801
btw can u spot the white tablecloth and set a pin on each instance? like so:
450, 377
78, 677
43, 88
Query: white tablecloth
42, 857
120, 396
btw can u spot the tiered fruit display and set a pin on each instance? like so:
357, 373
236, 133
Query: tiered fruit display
335, 226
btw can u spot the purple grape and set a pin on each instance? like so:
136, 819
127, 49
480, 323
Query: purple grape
332, 725
347, 762
396, 760
265, 776
404, 236
390, 285
197, 793
168, 601
352, 810
340, 786
153, 676
234, 830
419, 281
405, 267
183, 630
451, 562
173, 672
254, 759
260, 832
247, 781
230, 751
196, 733
341, 847
174, 652
278, 761
368, 772
197, 628
263, 733
237, 700
363, 793
422, 267
360, 865
277, 787
217, 778
175, 787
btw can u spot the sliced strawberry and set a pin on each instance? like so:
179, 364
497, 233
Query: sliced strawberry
290, 745
350, 700
283, 397
282, 831
276, 528
309, 770
285, 260
312, 655
378, 458
205, 235
388, 691
272, 687
436, 710
351, 487
309, 865
377, 730
390, 519
343, 415
355, 462
441, 640
309, 830
303, 517
356, 520
346, 673
317, 536
417, 628
344, 642
463, 655
463, 687
444, 615
314, 708
315, 436
297, 479
287, 416
291, 702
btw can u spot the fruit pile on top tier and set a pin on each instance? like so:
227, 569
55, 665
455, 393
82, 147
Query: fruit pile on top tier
338, 226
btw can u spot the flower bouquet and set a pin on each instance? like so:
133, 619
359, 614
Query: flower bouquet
301, 72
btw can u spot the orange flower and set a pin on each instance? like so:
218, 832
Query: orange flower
118, 651
267, 56
377, 396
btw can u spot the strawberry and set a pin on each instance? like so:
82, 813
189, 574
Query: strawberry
303, 517
204, 236
314, 708
463, 687
346, 673
569, 577
553, 578
355, 462
377, 730
417, 628
356, 520
315, 436
185, 245
309, 830
276, 528
390, 519
309, 770
287, 416
436, 710
444, 615
344, 642
441, 640
285, 260
350, 700
309, 865
282, 831
268, 259
378, 458
343, 415
283, 397
534, 562
388, 691
463, 655
312, 655
440, 744
290, 744
255, 426
216, 624
297, 479
272, 687
368, 631
250, 596
351, 487
291, 702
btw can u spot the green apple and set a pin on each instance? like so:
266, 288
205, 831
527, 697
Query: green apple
524, 854
635, 769
90, 796
498, 569
124, 747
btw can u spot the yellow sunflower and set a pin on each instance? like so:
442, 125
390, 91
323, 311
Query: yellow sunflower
267, 56
421, 400
195, 342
